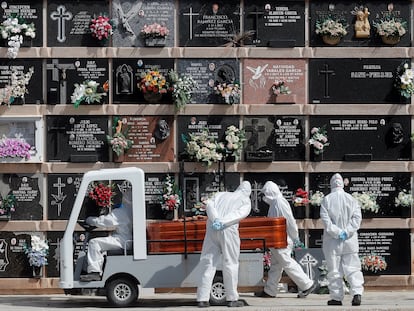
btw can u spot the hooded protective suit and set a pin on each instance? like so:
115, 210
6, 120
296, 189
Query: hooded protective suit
226, 208
281, 259
341, 217
121, 219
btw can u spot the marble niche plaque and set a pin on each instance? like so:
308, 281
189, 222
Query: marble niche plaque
208, 73
365, 138
279, 24
346, 11
198, 187
385, 186
274, 138
154, 189
34, 93
265, 78
126, 76
28, 190
62, 192
131, 16
153, 139
63, 74
354, 81
13, 261
68, 22
30, 12
216, 125
208, 23
77, 139
288, 184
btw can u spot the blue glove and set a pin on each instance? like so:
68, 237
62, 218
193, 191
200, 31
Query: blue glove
343, 236
217, 225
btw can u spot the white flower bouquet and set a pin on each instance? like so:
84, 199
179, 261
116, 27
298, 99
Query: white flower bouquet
316, 198
331, 26
37, 251
234, 141
390, 25
12, 29
404, 199
367, 201
404, 81
88, 92
182, 88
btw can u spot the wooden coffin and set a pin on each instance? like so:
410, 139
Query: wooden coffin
255, 233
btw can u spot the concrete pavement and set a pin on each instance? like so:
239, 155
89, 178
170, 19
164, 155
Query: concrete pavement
372, 301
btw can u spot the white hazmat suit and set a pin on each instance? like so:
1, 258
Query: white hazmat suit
341, 217
281, 259
226, 209
121, 219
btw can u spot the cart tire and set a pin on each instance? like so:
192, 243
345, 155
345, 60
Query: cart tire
121, 292
218, 292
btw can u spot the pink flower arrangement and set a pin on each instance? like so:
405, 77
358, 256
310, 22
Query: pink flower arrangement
14, 148
154, 30
101, 27
319, 139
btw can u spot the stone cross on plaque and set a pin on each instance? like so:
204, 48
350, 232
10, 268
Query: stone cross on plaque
254, 129
58, 130
256, 188
59, 75
308, 261
256, 15
61, 15
327, 72
190, 15
60, 196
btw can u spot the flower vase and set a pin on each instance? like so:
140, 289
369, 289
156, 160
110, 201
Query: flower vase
284, 99
37, 272
405, 212
390, 40
316, 157
299, 212
315, 212
119, 158
155, 41
331, 40
5, 217
169, 215
152, 97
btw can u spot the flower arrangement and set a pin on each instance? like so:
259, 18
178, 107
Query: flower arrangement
88, 92
301, 198
154, 30
102, 194
316, 198
235, 138
17, 87
367, 201
37, 251
119, 141
101, 28
267, 260
404, 199
153, 81
331, 26
171, 197
7, 205
14, 147
279, 87
390, 25
12, 29
373, 263
230, 92
319, 139
404, 81
202, 147
182, 88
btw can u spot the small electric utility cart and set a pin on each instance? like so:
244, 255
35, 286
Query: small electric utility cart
163, 254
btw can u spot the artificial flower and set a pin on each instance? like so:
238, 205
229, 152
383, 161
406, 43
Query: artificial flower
37, 251
300, 198
373, 263
404, 199
154, 30
404, 81
153, 81
88, 92
16, 147
318, 140
182, 88
279, 87
331, 26
101, 28
8, 204
171, 198
316, 198
367, 201
230, 92
102, 194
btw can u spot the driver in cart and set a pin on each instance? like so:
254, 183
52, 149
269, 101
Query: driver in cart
120, 218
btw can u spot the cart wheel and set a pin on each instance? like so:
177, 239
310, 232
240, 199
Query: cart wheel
218, 292
121, 292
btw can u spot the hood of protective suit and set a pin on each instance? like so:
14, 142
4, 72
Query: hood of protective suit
245, 188
336, 182
271, 191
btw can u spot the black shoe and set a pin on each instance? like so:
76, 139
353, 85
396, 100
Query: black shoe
356, 301
263, 294
334, 303
203, 304
235, 304
306, 292
93, 276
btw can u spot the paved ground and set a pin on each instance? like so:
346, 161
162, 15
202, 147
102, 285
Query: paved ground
374, 300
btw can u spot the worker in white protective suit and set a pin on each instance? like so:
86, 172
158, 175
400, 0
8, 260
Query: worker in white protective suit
224, 212
119, 218
281, 258
341, 217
